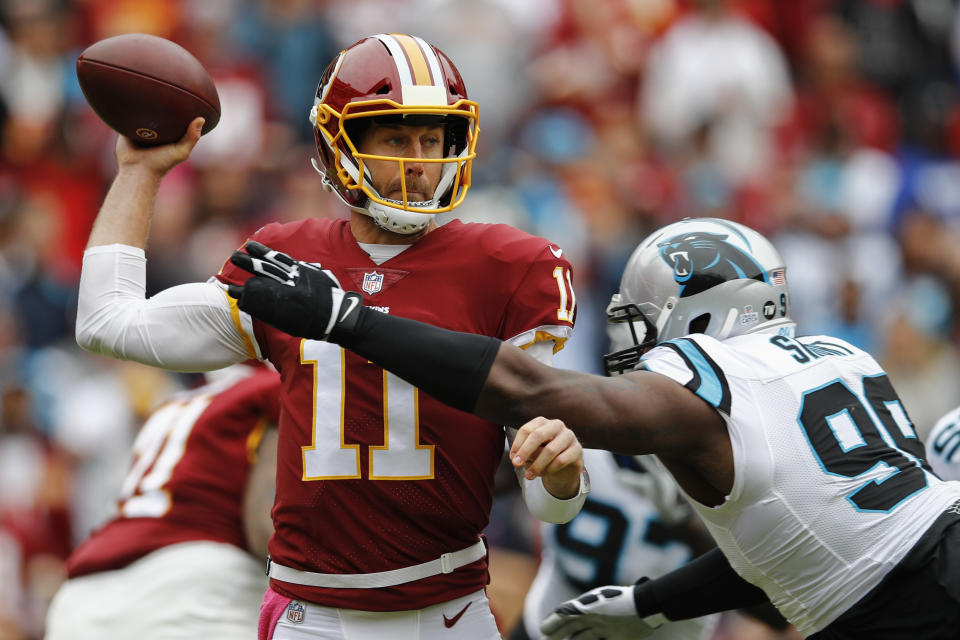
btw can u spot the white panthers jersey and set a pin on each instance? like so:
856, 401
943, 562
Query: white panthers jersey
831, 489
943, 446
628, 528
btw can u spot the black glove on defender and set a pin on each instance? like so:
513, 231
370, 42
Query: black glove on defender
297, 297
305, 301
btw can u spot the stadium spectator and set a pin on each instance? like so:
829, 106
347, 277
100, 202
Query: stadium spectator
717, 76
97, 409
918, 355
409, 483
292, 41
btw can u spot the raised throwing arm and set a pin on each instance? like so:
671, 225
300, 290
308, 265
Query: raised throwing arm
190, 327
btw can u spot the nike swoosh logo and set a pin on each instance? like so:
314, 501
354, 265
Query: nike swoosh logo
449, 622
556, 252
354, 301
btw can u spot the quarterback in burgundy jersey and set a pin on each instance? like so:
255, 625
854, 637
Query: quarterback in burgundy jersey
183, 496
375, 455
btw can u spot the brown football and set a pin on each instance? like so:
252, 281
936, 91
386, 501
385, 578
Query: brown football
147, 88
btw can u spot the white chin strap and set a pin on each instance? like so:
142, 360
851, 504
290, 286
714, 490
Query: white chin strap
396, 219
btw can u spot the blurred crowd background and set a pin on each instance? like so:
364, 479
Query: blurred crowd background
833, 126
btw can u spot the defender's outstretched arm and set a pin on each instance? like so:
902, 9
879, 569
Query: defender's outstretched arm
641, 412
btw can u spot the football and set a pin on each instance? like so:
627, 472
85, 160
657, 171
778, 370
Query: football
147, 88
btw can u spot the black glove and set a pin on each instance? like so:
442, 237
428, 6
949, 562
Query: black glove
297, 297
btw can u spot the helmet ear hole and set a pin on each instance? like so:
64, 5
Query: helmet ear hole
456, 129
355, 129
699, 324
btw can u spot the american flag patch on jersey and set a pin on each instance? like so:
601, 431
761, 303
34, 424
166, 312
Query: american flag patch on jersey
777, 277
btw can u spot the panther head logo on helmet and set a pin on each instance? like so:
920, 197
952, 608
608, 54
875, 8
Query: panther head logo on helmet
699, 275
701, 260
400, 79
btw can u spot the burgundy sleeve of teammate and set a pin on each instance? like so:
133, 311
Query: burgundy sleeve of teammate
188, 473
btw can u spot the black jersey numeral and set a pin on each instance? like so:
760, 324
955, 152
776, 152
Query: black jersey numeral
823, 408
604, 553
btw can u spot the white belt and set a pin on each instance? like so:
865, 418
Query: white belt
444, 564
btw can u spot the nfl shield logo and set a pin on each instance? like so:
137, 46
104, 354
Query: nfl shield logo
372, 282
295, 612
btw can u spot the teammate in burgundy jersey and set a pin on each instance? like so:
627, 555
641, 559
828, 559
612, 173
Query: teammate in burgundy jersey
181, 555
382, 492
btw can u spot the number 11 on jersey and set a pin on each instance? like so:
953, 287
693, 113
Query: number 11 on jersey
329, 456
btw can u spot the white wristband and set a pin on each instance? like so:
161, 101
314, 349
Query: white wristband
547, 507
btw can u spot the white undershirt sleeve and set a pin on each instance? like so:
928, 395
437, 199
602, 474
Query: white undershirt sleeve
540, 502
190, 327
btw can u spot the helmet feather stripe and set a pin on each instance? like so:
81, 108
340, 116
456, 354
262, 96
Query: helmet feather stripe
432, 59
416, 59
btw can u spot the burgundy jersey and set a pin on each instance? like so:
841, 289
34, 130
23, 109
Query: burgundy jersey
191, 460
374, 475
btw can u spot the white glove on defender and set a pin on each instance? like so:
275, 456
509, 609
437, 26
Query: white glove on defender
604, 613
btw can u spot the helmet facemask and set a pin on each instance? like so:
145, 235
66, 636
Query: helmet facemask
631, 335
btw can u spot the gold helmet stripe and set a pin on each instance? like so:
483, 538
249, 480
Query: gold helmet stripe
418, 63
433, 60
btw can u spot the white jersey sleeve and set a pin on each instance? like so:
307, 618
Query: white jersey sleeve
943, 446
190, 327
830, 488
